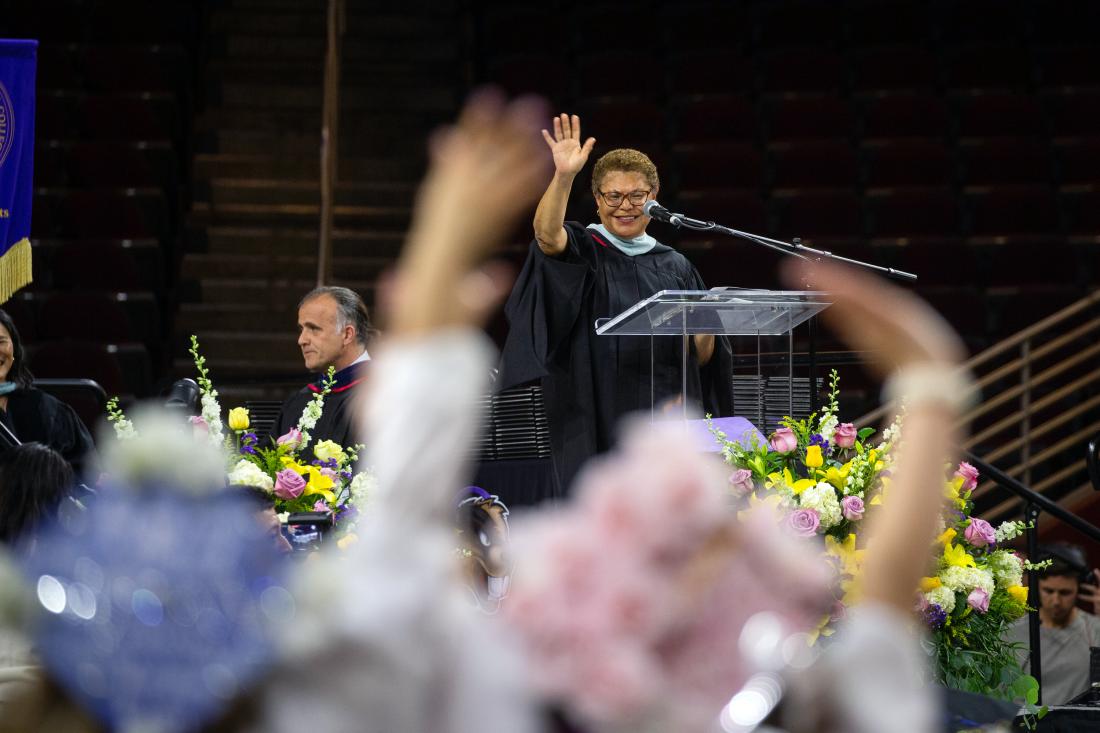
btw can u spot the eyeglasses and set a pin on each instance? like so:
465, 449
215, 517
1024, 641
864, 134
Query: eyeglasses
614, 199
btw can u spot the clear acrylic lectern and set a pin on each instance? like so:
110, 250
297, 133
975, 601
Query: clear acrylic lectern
716, 312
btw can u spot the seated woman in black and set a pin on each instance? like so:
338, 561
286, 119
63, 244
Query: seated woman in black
34, 480
575, 274
31, 414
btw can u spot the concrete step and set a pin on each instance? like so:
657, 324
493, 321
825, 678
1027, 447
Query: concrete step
199, 318
241, 165
373, 142
266, 240
298, 215
201, 265
224, 191
271, 294
307, 98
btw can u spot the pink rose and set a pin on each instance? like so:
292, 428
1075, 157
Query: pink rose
320, 506
978, 600
969, 475
741, 481
289, 484
292, 439
852, 508
804, 522
845, 435
198, 423
783, 441
980, 533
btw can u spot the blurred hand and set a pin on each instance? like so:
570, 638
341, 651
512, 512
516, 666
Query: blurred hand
569, 155
870, 314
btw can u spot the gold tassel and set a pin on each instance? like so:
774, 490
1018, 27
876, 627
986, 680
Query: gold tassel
15, 269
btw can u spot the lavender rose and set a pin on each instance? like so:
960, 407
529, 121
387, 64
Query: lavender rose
852, 508
978, 600
289, 484
804, 522
783, 441
969, 475
980, 533
845, 435
741, 481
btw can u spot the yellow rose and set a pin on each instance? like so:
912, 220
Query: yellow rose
326, 450
813, 456
1018, 593
238, 418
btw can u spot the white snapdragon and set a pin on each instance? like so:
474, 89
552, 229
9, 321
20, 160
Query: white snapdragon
361, 488
822, 498
828, 428
247, 473
212, 414
965, 580
1007, 568
1009, 530
943, 597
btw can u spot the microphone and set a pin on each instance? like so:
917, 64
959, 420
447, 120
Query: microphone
660, 213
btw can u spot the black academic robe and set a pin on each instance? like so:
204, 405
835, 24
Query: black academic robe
337, 422
590, 381
37, 417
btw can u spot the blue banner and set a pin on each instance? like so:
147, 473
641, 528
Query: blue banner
17, 68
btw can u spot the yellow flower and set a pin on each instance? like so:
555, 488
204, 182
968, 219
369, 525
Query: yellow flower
947, 536
957, 556
927, 584
813, 456
321, 484
326, 450
238, 418
850, 558
292, 464
347, 540
1018, 593
771, 501
837, 476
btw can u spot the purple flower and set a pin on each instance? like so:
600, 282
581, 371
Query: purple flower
292, 439
817, 439
289, 484
783, 441
978, 600
933, 615
320, 506
845, 435
980, 533
852, 508
741, 481
804, 522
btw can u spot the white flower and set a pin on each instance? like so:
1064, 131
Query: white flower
361, 488
161, 450
283, 517
212, 413
943, 597
965, 580
822, 497
247, 473
124, 429
1009, 530
828, 427
1007, 568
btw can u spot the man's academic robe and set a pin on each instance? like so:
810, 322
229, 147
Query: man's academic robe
591, 381
337, 422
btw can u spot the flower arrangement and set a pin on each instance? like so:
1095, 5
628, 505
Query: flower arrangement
824, 476
327, 483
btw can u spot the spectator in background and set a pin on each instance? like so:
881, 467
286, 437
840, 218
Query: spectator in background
34, 480
1066, 632
333, 331
31, 414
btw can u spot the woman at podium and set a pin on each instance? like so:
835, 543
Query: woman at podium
575, 274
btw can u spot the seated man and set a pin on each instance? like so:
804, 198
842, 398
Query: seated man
334, 328
1066, 632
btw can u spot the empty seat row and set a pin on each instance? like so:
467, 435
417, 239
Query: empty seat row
107, 165
114, 68
122, 213
67, 115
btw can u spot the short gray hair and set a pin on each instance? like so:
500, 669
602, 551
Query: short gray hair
350, 310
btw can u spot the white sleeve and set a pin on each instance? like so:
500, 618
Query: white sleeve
872, 678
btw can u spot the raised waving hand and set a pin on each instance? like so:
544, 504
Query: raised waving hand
565, 144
